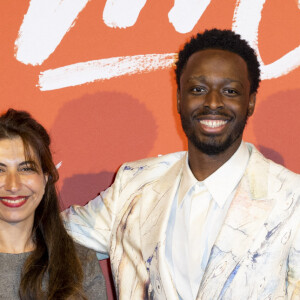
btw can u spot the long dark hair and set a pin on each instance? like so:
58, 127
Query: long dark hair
54, 261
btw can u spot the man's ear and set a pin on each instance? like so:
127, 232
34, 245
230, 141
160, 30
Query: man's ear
178, 100
251, 105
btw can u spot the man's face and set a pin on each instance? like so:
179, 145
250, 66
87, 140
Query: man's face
214, 101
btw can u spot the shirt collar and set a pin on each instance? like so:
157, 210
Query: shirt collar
222, 182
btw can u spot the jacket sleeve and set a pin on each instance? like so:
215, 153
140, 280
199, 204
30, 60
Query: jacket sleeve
294, 265
91, 225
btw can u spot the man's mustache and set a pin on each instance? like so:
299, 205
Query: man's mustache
211, 112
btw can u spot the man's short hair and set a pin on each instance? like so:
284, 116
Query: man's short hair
223, 40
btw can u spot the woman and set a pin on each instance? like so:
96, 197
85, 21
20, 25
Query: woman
38, 260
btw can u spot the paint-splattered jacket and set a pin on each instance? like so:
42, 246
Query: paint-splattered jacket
256, 254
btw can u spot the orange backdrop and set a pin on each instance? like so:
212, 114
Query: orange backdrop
95, 126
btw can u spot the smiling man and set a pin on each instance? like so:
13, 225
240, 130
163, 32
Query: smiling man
219, 221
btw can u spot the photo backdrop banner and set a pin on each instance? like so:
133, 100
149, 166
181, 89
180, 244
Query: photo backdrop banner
99, 76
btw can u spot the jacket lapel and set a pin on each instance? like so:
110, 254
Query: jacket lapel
246, 216
155, 211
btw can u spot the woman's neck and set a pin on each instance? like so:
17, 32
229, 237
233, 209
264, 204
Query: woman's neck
15, 238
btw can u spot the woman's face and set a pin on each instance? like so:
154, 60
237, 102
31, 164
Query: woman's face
22, 183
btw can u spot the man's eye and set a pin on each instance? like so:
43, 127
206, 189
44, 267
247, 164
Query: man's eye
231, 92
198, 89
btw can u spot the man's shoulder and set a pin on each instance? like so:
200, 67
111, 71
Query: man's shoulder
147, 163
147, 170
283, 174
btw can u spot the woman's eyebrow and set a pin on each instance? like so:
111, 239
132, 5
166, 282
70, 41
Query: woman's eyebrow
27, 162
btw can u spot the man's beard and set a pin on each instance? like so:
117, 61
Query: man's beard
212, 146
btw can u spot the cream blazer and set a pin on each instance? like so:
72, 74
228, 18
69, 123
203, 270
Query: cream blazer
256, 254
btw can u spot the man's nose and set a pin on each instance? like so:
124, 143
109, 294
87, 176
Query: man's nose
213, 100
12, 182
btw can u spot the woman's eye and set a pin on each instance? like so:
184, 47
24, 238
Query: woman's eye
28, 169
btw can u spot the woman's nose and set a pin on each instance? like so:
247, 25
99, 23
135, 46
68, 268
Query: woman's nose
12, 182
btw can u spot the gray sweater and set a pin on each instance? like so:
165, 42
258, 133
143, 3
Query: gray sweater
11, 267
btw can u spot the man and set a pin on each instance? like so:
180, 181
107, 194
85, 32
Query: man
218, 222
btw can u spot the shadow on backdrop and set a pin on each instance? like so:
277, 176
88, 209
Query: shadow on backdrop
276, 127
93, 135
80, 188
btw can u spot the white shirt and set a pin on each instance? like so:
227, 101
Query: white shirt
197, 215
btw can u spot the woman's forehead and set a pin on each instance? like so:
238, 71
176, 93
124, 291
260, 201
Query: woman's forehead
15, 148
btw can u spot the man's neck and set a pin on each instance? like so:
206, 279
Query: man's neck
203, 165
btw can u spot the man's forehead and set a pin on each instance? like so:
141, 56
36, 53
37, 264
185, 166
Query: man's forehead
215, 60
217, 54
204, 78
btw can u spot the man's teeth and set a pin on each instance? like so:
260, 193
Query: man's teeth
13, 201
213, 123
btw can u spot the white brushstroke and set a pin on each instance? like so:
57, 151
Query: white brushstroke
44, 26
185, 14
58, 165
246, 21
121, 13
102, 69
299, 4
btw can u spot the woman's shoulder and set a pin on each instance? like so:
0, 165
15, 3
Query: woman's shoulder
84, 253
94, 281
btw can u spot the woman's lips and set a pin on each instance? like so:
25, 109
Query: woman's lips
14, 201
